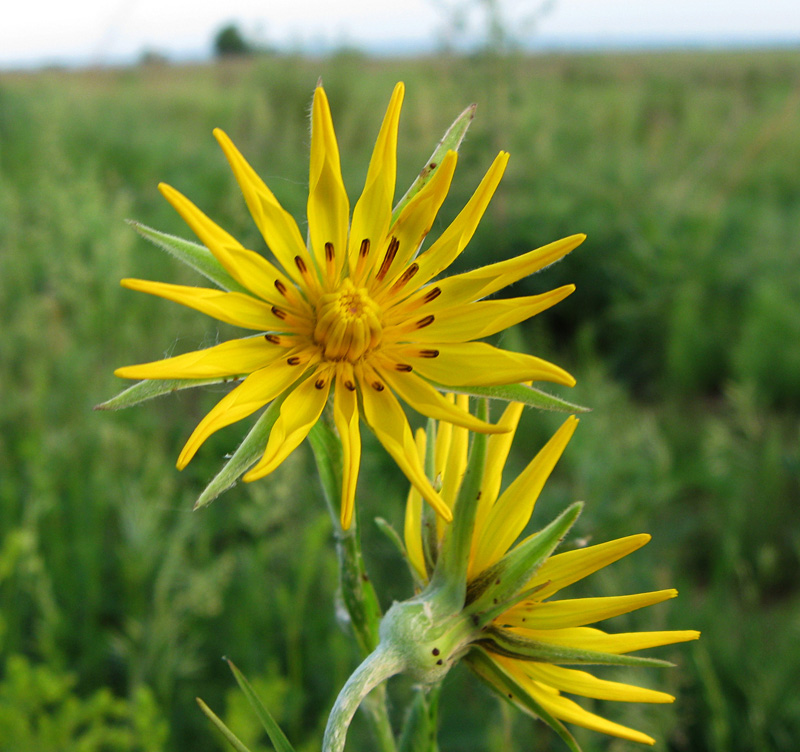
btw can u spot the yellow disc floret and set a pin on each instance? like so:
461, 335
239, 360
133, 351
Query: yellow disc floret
348, 323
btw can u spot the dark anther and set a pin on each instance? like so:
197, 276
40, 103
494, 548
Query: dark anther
403, 367
329, 254
408, 274
428, 353
319, 383
391, 252
427, 321
293, 361
364, 250
433, 294
377, 386
350, 386
278, 312
280, 287
272, 339
300, 264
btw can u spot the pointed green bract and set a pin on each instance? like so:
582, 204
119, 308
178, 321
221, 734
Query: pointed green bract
276, 736
450, 142
527, 395
151, 388
192, 254
504, 580
244, 457
514, 645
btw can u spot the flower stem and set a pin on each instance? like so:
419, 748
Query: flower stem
376, 668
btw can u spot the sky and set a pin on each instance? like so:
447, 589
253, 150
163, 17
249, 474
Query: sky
99, 32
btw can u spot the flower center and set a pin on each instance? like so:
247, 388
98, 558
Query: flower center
348, 323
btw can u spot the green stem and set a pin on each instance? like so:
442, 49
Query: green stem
376, 668
358, 594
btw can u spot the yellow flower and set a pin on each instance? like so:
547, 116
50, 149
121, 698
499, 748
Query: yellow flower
356, 314
529, 634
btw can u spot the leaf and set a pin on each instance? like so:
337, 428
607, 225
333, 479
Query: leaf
245, 456
450, 142
276, 736
150, 388
527, 395
234, 741
393, 536
194, 255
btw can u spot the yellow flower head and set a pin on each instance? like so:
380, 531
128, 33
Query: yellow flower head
528, 638
357, 313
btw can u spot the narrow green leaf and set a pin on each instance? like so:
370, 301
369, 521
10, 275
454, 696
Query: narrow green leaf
276, 736
497, 588
515, 646
251, 448
194, 255
484, 667
233, 740
450, 142
150, 388
527, 395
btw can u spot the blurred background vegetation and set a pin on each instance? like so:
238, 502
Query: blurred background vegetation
117, 602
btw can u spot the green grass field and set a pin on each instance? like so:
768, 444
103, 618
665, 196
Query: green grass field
117, 602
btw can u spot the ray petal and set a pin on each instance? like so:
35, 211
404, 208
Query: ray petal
233, 358
425, 399
386, 418
589, 638
455, 238
512, 511
564, 569
230, 307
253, 393
277, 226
249, 269
345, 415
587, 685
580, 611
373, 211
564, 709
328, 205
478, 283
412, 531
471, 321
299, 412
478, 364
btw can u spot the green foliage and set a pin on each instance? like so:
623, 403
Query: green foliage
230, 41
39, 710
681, 169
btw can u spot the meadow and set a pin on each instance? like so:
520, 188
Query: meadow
117, 602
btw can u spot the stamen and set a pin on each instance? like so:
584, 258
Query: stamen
350, 386
273, 339
279, 313
363, 251
428, 353
377, 386
293, 361
427, 321
319, 383
280, 287
433, 294
391, 252
403, 367
329, 253
405, 277
301, 265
